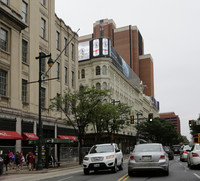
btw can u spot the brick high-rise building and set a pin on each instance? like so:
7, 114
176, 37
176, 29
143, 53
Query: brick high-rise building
173, 118
128, 42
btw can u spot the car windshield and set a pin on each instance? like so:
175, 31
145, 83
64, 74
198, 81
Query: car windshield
186, 148
102, 149
166, 148
147, 148
176, 147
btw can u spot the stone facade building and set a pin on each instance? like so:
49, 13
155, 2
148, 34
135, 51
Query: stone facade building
101, 66
28, 27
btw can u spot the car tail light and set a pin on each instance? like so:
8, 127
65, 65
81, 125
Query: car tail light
162, 156
131, 157
195, 155
186, 152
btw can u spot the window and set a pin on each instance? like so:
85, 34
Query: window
43, 65
3, 39
58, 70
83, 73
104, 86
65, 44
43, 28
72, 79
24, 90
65, 75
98, 85
57, 40
24, 12
104, 70
98, 70
72, 51
43, 92
3, 82
5, 1
43, 2
24, 50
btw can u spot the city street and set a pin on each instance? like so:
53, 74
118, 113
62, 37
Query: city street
178, 172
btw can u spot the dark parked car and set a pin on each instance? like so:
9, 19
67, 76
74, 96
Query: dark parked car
1, 166
169, 151
176, 149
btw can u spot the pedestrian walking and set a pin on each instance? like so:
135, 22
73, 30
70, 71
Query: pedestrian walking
52, 160
12, 157
6, 160
22, 160
31, 159
17, 160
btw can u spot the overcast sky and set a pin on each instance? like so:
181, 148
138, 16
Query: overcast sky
171, 34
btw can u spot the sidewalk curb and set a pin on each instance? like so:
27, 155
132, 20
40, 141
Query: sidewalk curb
45, 170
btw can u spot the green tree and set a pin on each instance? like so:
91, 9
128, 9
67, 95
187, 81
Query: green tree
78, 108
159, 130
110, 118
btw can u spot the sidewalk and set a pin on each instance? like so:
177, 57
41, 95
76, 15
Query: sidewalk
63, 166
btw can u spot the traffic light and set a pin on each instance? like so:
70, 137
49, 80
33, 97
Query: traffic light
132, 119
190, 123
195, 139
150, 118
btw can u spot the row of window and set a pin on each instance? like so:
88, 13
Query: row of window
72, 48
4, 80
104, 86
97, 70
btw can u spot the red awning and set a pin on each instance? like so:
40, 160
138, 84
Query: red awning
29, 136
10, 135
74, 138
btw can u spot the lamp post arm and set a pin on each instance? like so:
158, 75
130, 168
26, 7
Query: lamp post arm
63, 50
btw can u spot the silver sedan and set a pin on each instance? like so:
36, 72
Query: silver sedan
149, 156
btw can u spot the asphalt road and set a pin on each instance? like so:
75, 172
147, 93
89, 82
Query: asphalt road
178, 172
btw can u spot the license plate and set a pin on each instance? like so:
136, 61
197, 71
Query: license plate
146, 158
96, 165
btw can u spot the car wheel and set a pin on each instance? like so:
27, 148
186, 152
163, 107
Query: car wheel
130, 174
121, 165
114, 169
86, 171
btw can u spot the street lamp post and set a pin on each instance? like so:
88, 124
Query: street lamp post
40, 133
113, 102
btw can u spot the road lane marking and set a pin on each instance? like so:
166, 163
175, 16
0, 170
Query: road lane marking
65, 178
126, 178
197, 175
122, 177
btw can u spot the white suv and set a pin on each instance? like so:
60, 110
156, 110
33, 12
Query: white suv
103, 156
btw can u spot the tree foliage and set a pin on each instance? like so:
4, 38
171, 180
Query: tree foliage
159, 130
91, 106
79, 107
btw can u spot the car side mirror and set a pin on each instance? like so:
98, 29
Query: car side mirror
117, 150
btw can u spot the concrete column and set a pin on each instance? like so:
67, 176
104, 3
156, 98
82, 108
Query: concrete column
18, 146
35, 127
